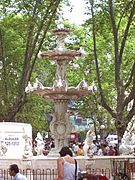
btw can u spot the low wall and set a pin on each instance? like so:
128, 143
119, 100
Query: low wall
107, 165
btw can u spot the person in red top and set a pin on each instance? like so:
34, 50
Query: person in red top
112, 151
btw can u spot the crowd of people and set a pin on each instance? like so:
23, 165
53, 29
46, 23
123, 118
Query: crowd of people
48, 144
97, 149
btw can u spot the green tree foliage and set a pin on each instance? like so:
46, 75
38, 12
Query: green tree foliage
23, 28
112, 25
108, 39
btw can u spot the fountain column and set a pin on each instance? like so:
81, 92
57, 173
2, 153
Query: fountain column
60, 125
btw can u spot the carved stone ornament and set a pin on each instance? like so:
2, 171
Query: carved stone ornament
60, 131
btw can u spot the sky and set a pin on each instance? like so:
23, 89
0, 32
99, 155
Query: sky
77, 15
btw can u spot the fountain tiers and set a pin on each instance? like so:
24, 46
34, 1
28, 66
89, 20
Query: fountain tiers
60, 93
67, 55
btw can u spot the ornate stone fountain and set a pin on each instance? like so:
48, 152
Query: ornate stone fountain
60, 93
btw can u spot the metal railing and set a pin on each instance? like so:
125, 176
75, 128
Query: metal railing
120, 170
125, 169
31, 174
99, 171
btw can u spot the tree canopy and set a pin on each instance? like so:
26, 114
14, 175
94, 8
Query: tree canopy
111, 49
108, 38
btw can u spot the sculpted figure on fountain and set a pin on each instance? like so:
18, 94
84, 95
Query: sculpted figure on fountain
39, 144
89, 141
3, 148
28, 146
128, 141
60, 85
61, 70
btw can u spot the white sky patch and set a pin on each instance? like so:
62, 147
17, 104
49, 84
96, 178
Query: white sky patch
76, 16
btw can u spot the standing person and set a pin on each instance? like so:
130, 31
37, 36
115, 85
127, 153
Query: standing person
112, 151
80, 151
66, 165
14, 171
116, 150
100, 150
94, 147
75, 148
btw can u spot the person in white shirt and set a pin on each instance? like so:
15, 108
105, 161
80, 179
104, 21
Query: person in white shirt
14, 171
94, 147
76, 147
66, 165
100, 151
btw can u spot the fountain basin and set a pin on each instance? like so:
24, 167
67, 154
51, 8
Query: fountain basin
60, 55
61, 93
